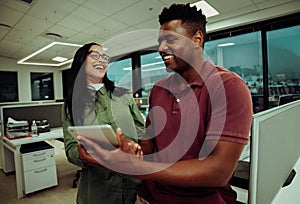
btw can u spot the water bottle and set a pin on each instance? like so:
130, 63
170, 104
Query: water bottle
34, 129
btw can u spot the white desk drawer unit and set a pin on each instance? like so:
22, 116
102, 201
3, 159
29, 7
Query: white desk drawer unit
39, 166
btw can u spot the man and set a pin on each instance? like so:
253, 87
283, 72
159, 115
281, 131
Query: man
199, 120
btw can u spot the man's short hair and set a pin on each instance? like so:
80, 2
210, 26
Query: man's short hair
193, 20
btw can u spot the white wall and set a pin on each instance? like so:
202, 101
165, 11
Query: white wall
24, 86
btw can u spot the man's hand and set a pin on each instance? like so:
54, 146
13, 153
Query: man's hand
122, 159
128, 146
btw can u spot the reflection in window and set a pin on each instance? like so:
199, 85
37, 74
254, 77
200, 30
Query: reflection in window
121, 73
8, 86
153, 69
284, 75
241, 54
42, 86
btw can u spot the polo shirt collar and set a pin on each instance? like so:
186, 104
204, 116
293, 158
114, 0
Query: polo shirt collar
206, 70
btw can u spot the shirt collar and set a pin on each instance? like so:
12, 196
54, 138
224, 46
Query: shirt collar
171, 83
97, 88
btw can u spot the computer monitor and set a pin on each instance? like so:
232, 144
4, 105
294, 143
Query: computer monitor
284, 99
275, 143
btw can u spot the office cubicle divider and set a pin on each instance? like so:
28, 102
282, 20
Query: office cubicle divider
50, 111
275, 143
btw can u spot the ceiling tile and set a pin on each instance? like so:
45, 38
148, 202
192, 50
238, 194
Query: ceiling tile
58, 6
237, 12
61, 30
168, 3
88, 15
139, 12
131, 41
80, 37
108, 7
149, 24
31, 24
75, 22
3, 32
259, 1
38, 43
20, 36
16, 5
46, 12
271, 3
78, 1
109, 27
9, 16
10, 48
229, 5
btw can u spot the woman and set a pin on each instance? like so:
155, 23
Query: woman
94, 99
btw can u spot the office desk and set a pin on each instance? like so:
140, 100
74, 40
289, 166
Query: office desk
14, 146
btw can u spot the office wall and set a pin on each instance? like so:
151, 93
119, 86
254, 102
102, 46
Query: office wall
24, 84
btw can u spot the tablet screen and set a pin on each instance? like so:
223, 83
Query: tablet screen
102, 134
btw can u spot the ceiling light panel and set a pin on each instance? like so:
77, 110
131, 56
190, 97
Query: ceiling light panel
59, 59
44, 55
206, 8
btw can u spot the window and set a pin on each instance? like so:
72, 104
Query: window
8, 86
241, 54
284, 75
153, 69
42, 86
121, 73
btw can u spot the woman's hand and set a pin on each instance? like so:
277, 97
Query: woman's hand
86, 157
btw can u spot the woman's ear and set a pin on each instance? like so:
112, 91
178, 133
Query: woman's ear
198, 39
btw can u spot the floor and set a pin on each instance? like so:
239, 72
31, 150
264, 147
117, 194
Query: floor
61, 194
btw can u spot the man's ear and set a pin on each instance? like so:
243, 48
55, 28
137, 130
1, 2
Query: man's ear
198, 39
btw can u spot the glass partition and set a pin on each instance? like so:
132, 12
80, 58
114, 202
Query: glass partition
241, 54
284, 75
153, 69
121, 73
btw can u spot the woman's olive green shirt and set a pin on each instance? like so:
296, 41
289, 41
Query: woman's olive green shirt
98, 185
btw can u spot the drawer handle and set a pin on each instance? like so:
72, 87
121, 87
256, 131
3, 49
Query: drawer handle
39, 154
39, 160
40, 171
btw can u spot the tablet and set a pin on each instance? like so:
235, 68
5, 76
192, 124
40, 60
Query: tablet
102, 134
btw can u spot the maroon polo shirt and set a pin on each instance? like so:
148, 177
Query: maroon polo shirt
216, 106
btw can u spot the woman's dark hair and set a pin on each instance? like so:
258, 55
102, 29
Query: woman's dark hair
78, 95
193, 20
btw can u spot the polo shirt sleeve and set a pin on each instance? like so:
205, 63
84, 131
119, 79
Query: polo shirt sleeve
231, 115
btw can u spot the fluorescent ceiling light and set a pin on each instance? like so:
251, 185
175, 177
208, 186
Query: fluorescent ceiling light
207, 9
225, 44
59, 59
23, 61
127, 69
150, 64
153, 69
144, 65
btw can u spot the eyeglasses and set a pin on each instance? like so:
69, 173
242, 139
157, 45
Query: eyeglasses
96, 55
